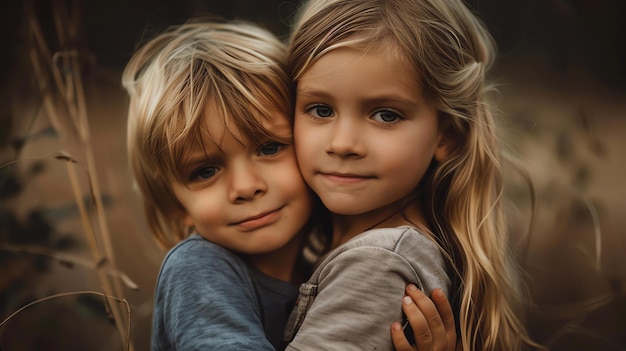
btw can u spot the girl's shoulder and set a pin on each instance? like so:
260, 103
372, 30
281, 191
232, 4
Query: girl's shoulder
400, 249
403, 241
394, 239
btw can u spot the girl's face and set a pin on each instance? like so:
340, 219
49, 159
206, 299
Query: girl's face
248, 197
364, 133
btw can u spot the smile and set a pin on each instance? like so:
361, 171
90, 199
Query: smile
259, 221
345, 178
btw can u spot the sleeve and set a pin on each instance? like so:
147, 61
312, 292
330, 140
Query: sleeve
359, 296
205, 300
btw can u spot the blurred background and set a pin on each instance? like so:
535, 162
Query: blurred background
72, 230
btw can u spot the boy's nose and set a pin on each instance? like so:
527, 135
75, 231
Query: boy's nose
245, 183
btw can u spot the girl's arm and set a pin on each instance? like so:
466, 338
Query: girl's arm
354, 294
432, 322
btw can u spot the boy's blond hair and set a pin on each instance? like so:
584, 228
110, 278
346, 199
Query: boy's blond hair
237, 66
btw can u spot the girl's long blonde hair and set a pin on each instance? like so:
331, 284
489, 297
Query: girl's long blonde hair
451, 50
238, 67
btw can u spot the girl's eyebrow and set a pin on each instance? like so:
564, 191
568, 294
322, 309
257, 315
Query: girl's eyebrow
313, 92
383, 98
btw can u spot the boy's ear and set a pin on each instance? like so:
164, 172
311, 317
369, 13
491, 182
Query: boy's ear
187, 219
446, 140
184, 217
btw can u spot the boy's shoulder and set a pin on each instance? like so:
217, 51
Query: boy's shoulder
197, 246
198, 253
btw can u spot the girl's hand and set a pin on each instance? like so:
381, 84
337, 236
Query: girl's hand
432, 322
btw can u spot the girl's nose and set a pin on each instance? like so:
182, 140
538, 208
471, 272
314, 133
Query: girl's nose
345, 140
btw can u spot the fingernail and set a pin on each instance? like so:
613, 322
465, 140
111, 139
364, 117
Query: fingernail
407, 300
412, 287
438, 293
396, 326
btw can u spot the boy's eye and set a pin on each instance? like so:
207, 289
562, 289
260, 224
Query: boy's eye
204, 173
271, 149
386, 116
320, 111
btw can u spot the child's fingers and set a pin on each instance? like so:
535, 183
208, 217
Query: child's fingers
430, 333
400, 341
447, 316
416, 313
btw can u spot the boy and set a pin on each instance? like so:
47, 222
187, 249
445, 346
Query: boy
209, 143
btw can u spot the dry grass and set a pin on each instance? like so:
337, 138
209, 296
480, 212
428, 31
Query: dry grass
58, 78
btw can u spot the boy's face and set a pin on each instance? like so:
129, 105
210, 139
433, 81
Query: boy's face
244, 196
363, 131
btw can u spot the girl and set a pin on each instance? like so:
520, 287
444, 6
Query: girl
393, 133
210, 148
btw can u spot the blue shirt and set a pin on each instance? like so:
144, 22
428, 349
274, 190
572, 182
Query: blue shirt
208, 298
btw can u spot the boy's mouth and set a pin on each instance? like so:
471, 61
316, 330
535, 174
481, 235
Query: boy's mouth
259, 220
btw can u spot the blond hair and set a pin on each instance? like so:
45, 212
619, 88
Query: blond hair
451, 50
238, 67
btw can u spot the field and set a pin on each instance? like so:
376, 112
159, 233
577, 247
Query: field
72, 227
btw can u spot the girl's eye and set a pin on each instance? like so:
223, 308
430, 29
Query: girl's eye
387, 116
320, 111
204, 173
270, 149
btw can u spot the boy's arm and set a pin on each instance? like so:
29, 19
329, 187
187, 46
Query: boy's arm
431, 320
205, 299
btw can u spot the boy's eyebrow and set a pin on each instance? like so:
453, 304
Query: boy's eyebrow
277, 129
199, 156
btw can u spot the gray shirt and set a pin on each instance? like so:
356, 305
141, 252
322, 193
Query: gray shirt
355, 293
